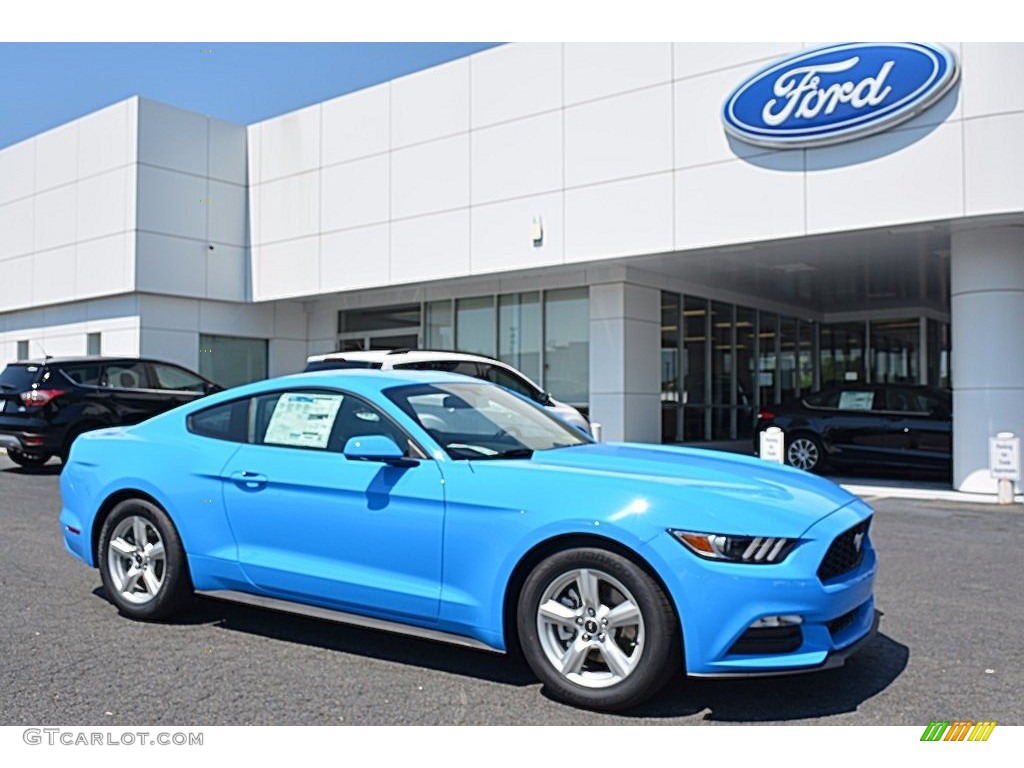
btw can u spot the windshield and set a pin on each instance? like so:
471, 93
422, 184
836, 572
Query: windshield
482, 421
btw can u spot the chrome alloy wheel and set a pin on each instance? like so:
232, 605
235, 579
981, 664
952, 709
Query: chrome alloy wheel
803, 453
136, 560
590, 628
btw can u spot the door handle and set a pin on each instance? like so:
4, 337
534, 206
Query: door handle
252, 480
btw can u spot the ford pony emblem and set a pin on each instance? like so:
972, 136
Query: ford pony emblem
837, 93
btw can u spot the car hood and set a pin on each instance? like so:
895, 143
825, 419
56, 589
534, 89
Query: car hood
703, 489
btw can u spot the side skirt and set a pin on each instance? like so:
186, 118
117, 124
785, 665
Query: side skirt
315, 611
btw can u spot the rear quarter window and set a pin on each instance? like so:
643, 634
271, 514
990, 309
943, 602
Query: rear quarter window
229, 421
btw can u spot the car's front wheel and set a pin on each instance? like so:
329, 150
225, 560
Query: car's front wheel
27, 459
142, 562
596, 629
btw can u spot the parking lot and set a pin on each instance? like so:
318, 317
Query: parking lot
949, 646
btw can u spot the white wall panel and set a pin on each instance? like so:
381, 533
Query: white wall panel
57, 156
502, 237
104, 266
289, 207
994, 164
991, 75
430, 104
290, 144
225, 213
17, 171
619, 219
738, 201
518, 158
103, 204
106, 139
288, 269
623, 136
512, 81
910, 175
181, 347
53, 276
430, 247
254, 162
699, 58
172, 138
121, 341
252, 320
16, 286
17, 230
354, 258
430, 177
172, 203
355, 194
171, 312
227, 271
594, 70
289, 320
173, 265
357, 125
55, 217
227, 151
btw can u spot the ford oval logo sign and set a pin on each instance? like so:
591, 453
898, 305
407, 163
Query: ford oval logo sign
838, 93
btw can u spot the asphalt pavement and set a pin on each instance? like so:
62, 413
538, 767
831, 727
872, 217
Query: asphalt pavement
949, 646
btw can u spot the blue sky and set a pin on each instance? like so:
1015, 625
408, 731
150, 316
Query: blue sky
45, 84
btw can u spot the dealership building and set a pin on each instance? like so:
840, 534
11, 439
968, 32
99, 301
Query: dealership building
670, 235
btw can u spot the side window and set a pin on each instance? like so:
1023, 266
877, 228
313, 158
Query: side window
173, 377
86, 375
823, 400
295, 419
509, 380
132, 374
223, 422
856, 400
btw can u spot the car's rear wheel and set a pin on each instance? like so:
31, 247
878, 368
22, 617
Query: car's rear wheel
142, 562
596, 629
804, 452
27, 459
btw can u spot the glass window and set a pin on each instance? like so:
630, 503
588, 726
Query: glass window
86, 375
379, 319
788, 372
232, 360
722, 370
895, 351
857, 400
437, 319
296, 419
767, 358
567, 344
829, 399
22, 353
128, 375
18, 378
93, 343
805, 355
695, 368
475, 326
938, 353
746, 340
507, 379
357, 418
670, 378
519, 332
173, 377
842, 353
223, 422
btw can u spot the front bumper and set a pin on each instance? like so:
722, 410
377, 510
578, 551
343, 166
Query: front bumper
718, 602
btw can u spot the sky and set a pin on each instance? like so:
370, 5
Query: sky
43, 85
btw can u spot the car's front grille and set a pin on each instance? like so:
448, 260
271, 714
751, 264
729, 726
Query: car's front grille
846, 552
769, 640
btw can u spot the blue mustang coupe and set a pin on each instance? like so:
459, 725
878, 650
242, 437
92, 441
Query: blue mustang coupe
444, 507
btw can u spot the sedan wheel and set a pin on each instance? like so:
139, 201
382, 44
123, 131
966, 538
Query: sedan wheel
804, 453
142, 563
596, 629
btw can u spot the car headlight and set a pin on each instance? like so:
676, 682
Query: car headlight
756, 550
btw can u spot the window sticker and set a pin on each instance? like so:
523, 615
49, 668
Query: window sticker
303, 420
856, 401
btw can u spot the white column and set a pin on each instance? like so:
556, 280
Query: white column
625, 352
987, 292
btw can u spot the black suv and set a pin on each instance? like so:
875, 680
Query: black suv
46, 404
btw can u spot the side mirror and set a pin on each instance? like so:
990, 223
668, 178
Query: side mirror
209, 388
544, 398
376, 448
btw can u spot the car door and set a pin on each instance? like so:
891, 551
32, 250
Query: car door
856, 429
129, 391
316, 527
926, 427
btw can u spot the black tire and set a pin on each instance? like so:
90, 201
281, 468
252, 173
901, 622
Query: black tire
168, 588
803, 451
647, 648
27, 459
